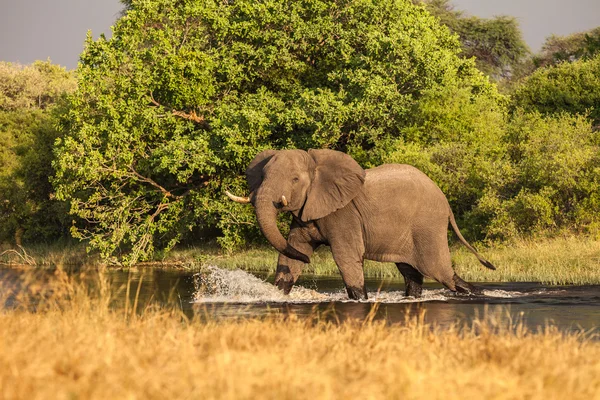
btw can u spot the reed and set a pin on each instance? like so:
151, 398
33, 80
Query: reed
559, 261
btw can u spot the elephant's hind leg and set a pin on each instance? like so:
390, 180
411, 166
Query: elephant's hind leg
465, 287
435, 262
413, 279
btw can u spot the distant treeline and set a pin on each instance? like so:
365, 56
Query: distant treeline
133, 150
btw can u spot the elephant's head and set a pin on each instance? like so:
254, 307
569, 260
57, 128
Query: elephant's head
310, 184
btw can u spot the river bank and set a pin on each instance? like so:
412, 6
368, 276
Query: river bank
91, 335
557, 261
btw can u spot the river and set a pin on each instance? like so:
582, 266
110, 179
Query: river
218, 293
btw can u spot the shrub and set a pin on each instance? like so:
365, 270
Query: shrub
567, 87
556, 179
28, 97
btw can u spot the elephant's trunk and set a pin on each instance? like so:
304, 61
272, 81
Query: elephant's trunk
266, 215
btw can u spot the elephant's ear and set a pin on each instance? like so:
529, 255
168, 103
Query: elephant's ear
254, 172
337, 180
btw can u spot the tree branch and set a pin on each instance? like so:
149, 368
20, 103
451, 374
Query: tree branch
151, 182
191, 116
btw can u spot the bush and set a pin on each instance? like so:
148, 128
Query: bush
28, 98
35, 86
567, 87
556, 179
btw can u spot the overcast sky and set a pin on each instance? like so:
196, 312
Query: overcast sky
40, 29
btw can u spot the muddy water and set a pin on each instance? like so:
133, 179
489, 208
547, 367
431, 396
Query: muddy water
217, 293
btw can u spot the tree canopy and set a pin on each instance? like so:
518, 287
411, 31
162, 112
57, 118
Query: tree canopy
172, 108
571, 87
164, 116
558, 49
28, 96
496, 43
38, 85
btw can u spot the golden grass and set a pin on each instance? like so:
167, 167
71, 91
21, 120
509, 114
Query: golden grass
566, 260
76, 346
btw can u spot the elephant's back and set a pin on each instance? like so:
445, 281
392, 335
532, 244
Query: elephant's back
400, 181
401, 202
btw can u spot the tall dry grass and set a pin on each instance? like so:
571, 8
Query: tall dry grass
69, 343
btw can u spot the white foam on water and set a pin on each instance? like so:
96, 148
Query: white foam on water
399, 297
216, 285
503, 294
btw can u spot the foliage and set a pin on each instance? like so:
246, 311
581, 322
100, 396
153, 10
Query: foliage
567, 87
496, 43
38, 85
555, 179
171, 109
558, 49
27, 133
458, 143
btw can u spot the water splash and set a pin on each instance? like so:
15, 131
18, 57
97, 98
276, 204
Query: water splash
216, 285
503, 294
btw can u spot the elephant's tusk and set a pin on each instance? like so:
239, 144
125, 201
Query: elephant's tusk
284, 201
237, 199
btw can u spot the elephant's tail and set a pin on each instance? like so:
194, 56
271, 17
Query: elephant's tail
482, 260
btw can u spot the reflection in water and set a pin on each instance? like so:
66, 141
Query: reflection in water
217, 293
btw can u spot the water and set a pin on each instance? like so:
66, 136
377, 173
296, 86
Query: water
218, 293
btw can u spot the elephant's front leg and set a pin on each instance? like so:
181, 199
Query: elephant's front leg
288, 269
349, 258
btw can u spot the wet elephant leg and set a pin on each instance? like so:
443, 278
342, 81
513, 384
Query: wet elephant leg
465, 287
456, 283
344, 233
353, 276
435, 262
413, 279
350, 264
288, 269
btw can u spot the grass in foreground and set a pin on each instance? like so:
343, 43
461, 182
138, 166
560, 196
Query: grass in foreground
75, 346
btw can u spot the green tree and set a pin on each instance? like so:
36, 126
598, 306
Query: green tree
172, 108
567, 87
28, 96
554, 181
496, 43
34, 86
558, 49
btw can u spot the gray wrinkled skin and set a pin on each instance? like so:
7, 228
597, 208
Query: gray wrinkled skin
392, 213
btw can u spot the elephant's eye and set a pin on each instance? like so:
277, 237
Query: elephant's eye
295, 180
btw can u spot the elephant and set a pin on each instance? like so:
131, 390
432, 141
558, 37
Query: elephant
390, 213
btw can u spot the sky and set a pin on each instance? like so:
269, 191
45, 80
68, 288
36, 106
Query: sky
40, 29
539, 19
